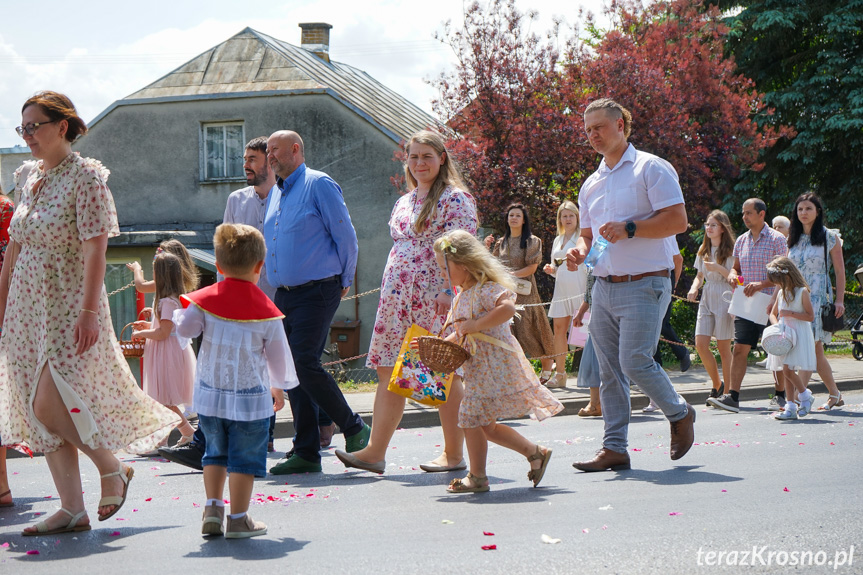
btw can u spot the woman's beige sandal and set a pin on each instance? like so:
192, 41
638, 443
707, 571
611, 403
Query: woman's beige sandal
116, 500
71, 527
536, 475
479, 484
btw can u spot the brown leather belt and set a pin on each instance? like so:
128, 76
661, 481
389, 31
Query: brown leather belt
635, 278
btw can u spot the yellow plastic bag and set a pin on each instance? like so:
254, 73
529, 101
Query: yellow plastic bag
414, 380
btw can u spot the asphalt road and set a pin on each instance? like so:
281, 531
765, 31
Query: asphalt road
790, 491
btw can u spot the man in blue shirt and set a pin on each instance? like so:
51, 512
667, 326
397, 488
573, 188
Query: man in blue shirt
311, 257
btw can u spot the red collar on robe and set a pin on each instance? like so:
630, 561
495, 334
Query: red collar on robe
234, 300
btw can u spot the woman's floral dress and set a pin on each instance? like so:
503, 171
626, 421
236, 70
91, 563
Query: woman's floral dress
411, 278
58, 209
499, 384
810, 260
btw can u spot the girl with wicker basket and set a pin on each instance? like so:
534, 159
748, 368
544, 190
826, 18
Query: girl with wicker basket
169, 366
499, 380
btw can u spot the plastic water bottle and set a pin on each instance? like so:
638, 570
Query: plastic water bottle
597, 248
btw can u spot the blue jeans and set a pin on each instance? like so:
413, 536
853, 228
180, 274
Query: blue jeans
625, 321
241, 446
308, 313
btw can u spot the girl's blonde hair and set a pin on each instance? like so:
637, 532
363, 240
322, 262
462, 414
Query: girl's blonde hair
782, 272
449, 175
458, 246
568, 205
168, 276
190, 270
726, 242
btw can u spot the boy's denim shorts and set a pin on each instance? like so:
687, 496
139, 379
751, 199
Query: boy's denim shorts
241, 446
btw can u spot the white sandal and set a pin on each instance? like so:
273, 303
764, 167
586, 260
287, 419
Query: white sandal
71, 527
117, 500
839, 403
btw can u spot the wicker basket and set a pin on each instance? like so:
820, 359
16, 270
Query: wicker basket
131, 347
441, 355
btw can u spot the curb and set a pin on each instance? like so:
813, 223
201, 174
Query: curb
416, 415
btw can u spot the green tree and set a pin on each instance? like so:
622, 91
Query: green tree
807, 58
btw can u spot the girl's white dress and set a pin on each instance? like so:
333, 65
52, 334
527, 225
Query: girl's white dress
569, 287
802, 355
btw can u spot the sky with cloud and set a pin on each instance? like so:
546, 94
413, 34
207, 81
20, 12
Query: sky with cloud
101, 51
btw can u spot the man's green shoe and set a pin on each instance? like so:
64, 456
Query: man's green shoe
295, 464
359, 440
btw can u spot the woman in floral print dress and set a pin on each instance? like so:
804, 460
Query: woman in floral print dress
64, 384
414, 291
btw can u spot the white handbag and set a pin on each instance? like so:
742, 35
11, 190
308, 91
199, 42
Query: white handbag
777, 339
522, 286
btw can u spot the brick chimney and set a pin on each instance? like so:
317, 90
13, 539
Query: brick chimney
316, 38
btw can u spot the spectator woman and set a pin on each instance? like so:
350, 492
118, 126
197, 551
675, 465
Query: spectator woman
521, 252
65, 386
413, 290
808, 244
569, 287
714, 260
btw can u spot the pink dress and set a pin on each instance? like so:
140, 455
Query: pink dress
169, 369
498, 383
57, 210
411, 278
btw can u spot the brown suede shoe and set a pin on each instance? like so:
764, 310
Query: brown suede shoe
327, 432
682, 434
605, 460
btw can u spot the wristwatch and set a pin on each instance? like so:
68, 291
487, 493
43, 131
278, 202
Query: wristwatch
630, 229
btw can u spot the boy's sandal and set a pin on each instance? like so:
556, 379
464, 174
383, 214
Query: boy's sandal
480, 484
536, 475
833, 401
116, 500
8, 503
71, 527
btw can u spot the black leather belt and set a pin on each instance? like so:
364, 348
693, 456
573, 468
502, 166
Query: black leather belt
311, 283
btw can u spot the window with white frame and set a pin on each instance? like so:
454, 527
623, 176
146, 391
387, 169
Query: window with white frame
223, 151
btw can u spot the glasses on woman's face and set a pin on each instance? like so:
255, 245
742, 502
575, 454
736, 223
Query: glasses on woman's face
31, 128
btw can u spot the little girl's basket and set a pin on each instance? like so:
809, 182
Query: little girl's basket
131, 347
441, 355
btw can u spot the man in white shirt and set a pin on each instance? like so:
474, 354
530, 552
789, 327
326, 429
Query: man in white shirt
634, 201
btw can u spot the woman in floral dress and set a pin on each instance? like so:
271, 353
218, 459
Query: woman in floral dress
414, 291
64, 384
521, 252
806, 248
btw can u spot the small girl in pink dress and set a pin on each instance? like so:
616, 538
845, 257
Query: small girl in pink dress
499, 380
169, 366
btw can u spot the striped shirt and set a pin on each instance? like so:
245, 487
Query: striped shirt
755, 254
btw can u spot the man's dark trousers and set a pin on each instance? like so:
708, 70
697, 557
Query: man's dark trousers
309, 310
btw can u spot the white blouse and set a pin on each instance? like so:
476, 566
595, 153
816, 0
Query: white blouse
238, 363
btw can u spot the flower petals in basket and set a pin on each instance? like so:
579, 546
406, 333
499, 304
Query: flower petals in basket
131, 347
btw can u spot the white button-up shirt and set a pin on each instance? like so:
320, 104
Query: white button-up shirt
635, 189
245, 206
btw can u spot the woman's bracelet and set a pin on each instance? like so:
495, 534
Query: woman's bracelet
89, 311
447, 292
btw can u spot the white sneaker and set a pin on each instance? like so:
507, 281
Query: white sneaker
806, 400
790, 412
762, 363
651, 407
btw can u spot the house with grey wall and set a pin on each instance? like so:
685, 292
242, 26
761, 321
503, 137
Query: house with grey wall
175, 147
